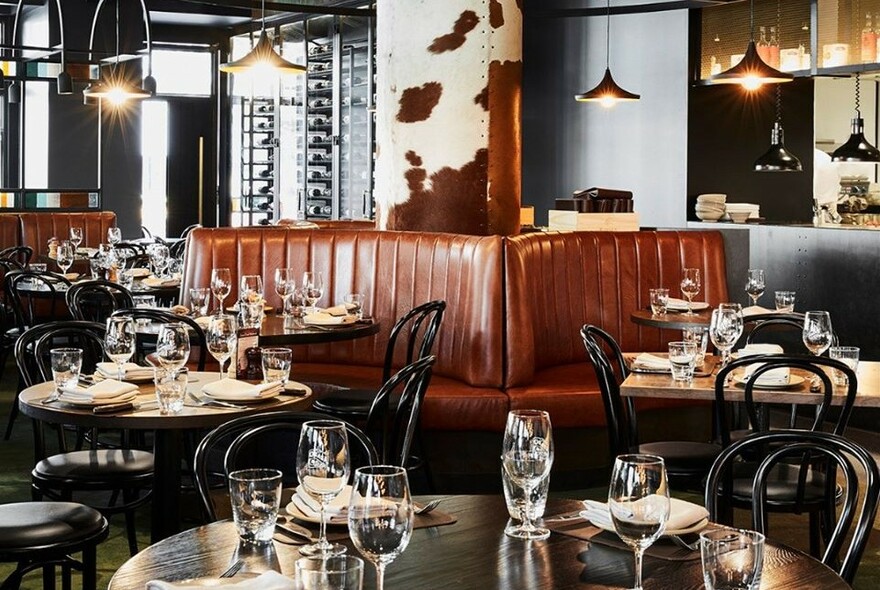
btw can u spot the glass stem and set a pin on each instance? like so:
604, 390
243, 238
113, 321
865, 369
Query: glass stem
380, 576
322, 535
637, 584
526, 512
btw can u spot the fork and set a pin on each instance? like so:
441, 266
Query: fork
427, 507
695, 546
232, 569
214, 402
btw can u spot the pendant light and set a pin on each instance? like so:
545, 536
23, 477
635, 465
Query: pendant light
263, 57
777, 158
751, 72
64, 85
607, 92
856, 148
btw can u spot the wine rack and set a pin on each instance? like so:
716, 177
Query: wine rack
255, 204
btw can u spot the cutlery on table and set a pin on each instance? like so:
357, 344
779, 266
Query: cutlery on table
695, 546
202, 401
427, 507
232, 569
124, 406
284, 526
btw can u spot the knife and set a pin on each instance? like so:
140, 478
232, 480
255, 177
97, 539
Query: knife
124, 406
294, 530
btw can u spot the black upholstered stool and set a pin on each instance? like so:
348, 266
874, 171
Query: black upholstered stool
43, 534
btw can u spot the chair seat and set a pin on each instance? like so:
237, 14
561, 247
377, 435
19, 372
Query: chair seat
782, 485
89, 466
40, 525
683, 456
350, 403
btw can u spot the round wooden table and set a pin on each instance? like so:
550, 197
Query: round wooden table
168, 433
672, 320
472, 553
273, 332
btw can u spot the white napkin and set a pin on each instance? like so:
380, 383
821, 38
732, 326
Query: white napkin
131, 371
651, 362
103, 390
778, 376
325, 319
233, 388
756, 310
270, 580
682, 305
157, 282
682, 515
336, 310
312, 508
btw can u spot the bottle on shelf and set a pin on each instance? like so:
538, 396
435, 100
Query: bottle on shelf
353, 100
266, 189
320, 49
317, 103
263, 125
869, 41
265, 206
774, 49
763, 47
265, 173
317, 175
266, 141
319, 209
314, 191
265, 108
319, 84
318, 121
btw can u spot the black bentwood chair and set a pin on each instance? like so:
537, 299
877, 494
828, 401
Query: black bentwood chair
198, 343
44, 534
798, 446
95, 300
266, 440
687, 462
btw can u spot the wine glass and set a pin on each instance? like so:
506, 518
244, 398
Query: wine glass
725, 329
313, 288
172, 346
818, 335
250, 288
119, 342
690, 286
64, 258
159, 257
221, 337
380, 515
755, 284
76, 237
221, 285
284, 281
638, 501
527, 455
323, 467
114, 235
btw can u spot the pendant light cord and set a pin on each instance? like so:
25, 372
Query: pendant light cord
778, 44
858, 95
607, 34
116, 61
752, 20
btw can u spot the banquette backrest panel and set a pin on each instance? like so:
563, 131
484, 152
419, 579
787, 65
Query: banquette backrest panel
556, 282
395, 270
37, 228
10, 230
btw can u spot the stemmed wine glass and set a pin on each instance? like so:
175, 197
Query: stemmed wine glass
690, 286
725, 329
119, 342
173, 346
527, 456
221, 337
65, 255
638, 501
380, 515
284, 285
323, 467
755, 284
76, 237
159, 257
114, 235
817, 335
313, 288
221, 285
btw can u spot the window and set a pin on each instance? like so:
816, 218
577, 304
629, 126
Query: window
182, 72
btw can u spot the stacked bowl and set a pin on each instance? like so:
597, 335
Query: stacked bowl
739, 212
710, 207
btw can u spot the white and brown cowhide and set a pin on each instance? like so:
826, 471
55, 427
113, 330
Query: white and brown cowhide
449, 76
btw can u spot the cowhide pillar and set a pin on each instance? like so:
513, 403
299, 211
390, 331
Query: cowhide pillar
449, 76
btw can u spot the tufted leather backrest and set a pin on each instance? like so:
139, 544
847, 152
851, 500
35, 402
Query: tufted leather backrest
557, 282
37, 228
10, 230
395, 270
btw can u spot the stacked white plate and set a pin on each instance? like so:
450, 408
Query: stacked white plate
710, 207
739, 212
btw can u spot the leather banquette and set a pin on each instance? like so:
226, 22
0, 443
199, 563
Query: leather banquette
37, 228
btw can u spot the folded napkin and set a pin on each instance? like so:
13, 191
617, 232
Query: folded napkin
157, 282
778, 376
323, 318
270, 580
102, 390
756, 310
336, 310
650, 362
312, 508
131, 371
682, 515
676, 304
235, 389
139, 273
203, 321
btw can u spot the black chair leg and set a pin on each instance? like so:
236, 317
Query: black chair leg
13, 414
48, 577
128, 497
13, 581
815, 535
89, 568
66, 578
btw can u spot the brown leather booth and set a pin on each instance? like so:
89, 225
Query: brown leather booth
37, 228
10, 230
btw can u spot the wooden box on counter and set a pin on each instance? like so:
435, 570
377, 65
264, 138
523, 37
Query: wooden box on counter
574, 221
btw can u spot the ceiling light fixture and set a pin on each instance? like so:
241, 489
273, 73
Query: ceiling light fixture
856, 148
777, 158
64, 82
262, 59
607, 92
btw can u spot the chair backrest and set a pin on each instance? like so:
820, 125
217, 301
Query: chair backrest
18, 254
188, 229
774, 328
36, 297
787, 444
811, 365
177, 249
196, 332
95, 300
32, 347
420, 326
268, 439
620, 415
394, 414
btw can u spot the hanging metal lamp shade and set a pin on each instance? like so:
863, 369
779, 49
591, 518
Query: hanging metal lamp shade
751, 72
778, 158
262, 57
117, 91
607, 92
856, 148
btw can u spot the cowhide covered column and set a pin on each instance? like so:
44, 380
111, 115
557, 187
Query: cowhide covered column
449, 76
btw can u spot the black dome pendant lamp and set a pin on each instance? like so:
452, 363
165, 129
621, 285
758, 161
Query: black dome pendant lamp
856, 148
607, 92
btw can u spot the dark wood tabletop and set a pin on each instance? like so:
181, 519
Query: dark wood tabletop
672, 320
272, 332
472, 553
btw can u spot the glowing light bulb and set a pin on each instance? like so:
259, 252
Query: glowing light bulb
607, 101
116, 96
751, 83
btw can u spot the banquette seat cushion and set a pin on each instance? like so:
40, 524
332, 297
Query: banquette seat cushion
37, 228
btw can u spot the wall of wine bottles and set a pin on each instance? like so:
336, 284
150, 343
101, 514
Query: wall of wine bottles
255, 202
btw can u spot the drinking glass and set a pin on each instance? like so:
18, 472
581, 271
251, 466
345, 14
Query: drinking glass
755, 284
354, 304
690, 286
276, 364
849, 355
251, 288
380, 515
638, 501
323, 467
255, 495
284, 282
725, 329
313, 288
65, 256
76, 236
159, 257
699, 336
119, 342
221, 285
785, 300
114, 235
732, 559
144, 301
659, 301
683, 360
515, 498
221, 337
339, 572
66, 365
172, 345
294, 310
170, 389
198, 301
125, 278
527, 456
817, 335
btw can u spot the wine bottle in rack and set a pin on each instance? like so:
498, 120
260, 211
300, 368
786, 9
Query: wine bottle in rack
268, 141
317, 175
314, 191
265, 108
319, 84
320, 49
266, 189
265, 206
319, 209
317, 103
353, 101
265, 173
318, 121
263, 125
